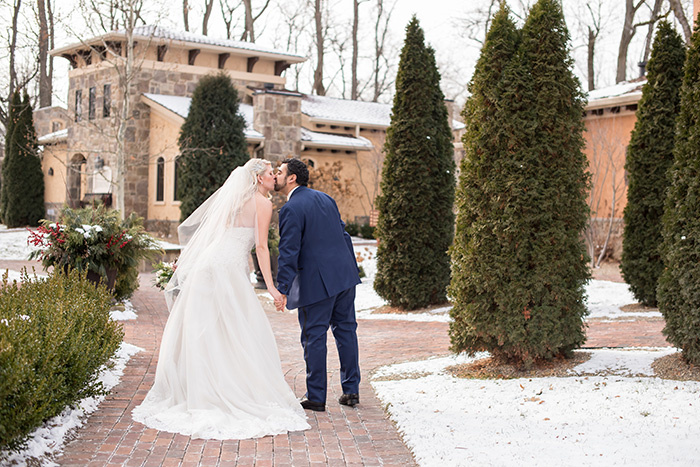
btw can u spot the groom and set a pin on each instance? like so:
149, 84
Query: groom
317, 273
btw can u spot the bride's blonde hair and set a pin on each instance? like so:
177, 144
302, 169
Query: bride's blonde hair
257, 167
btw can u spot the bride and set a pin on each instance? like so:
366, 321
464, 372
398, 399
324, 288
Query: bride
219, 374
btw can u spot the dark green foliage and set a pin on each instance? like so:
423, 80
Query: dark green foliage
416, 221
352, 229
367, 231
55, 334
649, 156
678, 293
212, 141
96, 239
519, 262
22, 193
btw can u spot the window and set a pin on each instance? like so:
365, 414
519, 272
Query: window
107, 100
56, 126
176, 164
160, 178
92, 95
78, 105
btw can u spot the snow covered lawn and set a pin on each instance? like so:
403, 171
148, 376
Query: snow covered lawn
577, 420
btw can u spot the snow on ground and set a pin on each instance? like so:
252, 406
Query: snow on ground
48, 440
119, 314
13, 244
604, 297
577, 420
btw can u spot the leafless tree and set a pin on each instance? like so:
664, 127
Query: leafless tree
608, 186
320, 40
629, 28
291, 36
17, 52
382, 70
355, 47
208, 5
656, 15
227, 13
251, 18
126, 62
475, 25
46, 43
679, 13
186, 14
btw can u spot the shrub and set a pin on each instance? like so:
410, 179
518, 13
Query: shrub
97, 240
55, 334
366, 231
352, 229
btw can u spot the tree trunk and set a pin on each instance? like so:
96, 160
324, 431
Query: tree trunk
355, 26
207, 13
318, 87
591, 58
682, 19
186, 14
650, 35
45, 68
628, 30
13, 47
249, 32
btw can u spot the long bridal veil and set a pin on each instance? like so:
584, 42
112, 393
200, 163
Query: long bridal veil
229, 206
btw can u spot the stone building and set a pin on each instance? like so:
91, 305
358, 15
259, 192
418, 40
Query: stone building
80, 143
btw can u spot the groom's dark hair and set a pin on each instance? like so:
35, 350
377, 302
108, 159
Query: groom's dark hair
298, 168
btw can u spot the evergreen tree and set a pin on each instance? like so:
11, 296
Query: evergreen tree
23, 180
519, 260
212, 141
678, 292
416, 221
13, 114
649, 156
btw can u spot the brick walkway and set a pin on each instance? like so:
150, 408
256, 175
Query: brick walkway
338, 437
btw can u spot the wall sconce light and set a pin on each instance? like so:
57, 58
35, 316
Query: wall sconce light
99, 163
50, 171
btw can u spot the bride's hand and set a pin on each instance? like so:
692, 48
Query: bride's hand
280, 299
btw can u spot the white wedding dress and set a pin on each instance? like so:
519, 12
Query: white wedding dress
219, 374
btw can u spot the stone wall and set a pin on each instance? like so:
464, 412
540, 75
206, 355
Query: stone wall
277, 115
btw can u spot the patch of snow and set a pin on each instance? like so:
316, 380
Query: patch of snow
591, 421
129, 312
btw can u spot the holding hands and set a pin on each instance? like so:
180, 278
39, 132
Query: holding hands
280, 300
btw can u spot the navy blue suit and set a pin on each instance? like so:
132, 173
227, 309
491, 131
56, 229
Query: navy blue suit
317, 271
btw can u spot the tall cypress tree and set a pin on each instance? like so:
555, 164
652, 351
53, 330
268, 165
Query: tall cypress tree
479, 263
678, 293
416, 221
212, 141
23, 179
649, 156
14, 108
521, 268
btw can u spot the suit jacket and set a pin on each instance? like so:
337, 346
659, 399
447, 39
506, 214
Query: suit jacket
316, 260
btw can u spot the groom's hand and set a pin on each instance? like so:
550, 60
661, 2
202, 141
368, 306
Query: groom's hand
280, 303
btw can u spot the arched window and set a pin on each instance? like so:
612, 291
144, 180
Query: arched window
160, 179
175, 169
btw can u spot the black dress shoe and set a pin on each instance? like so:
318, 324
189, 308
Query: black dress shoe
349, 399
311, 405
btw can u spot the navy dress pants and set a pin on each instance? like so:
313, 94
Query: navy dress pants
338, 313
